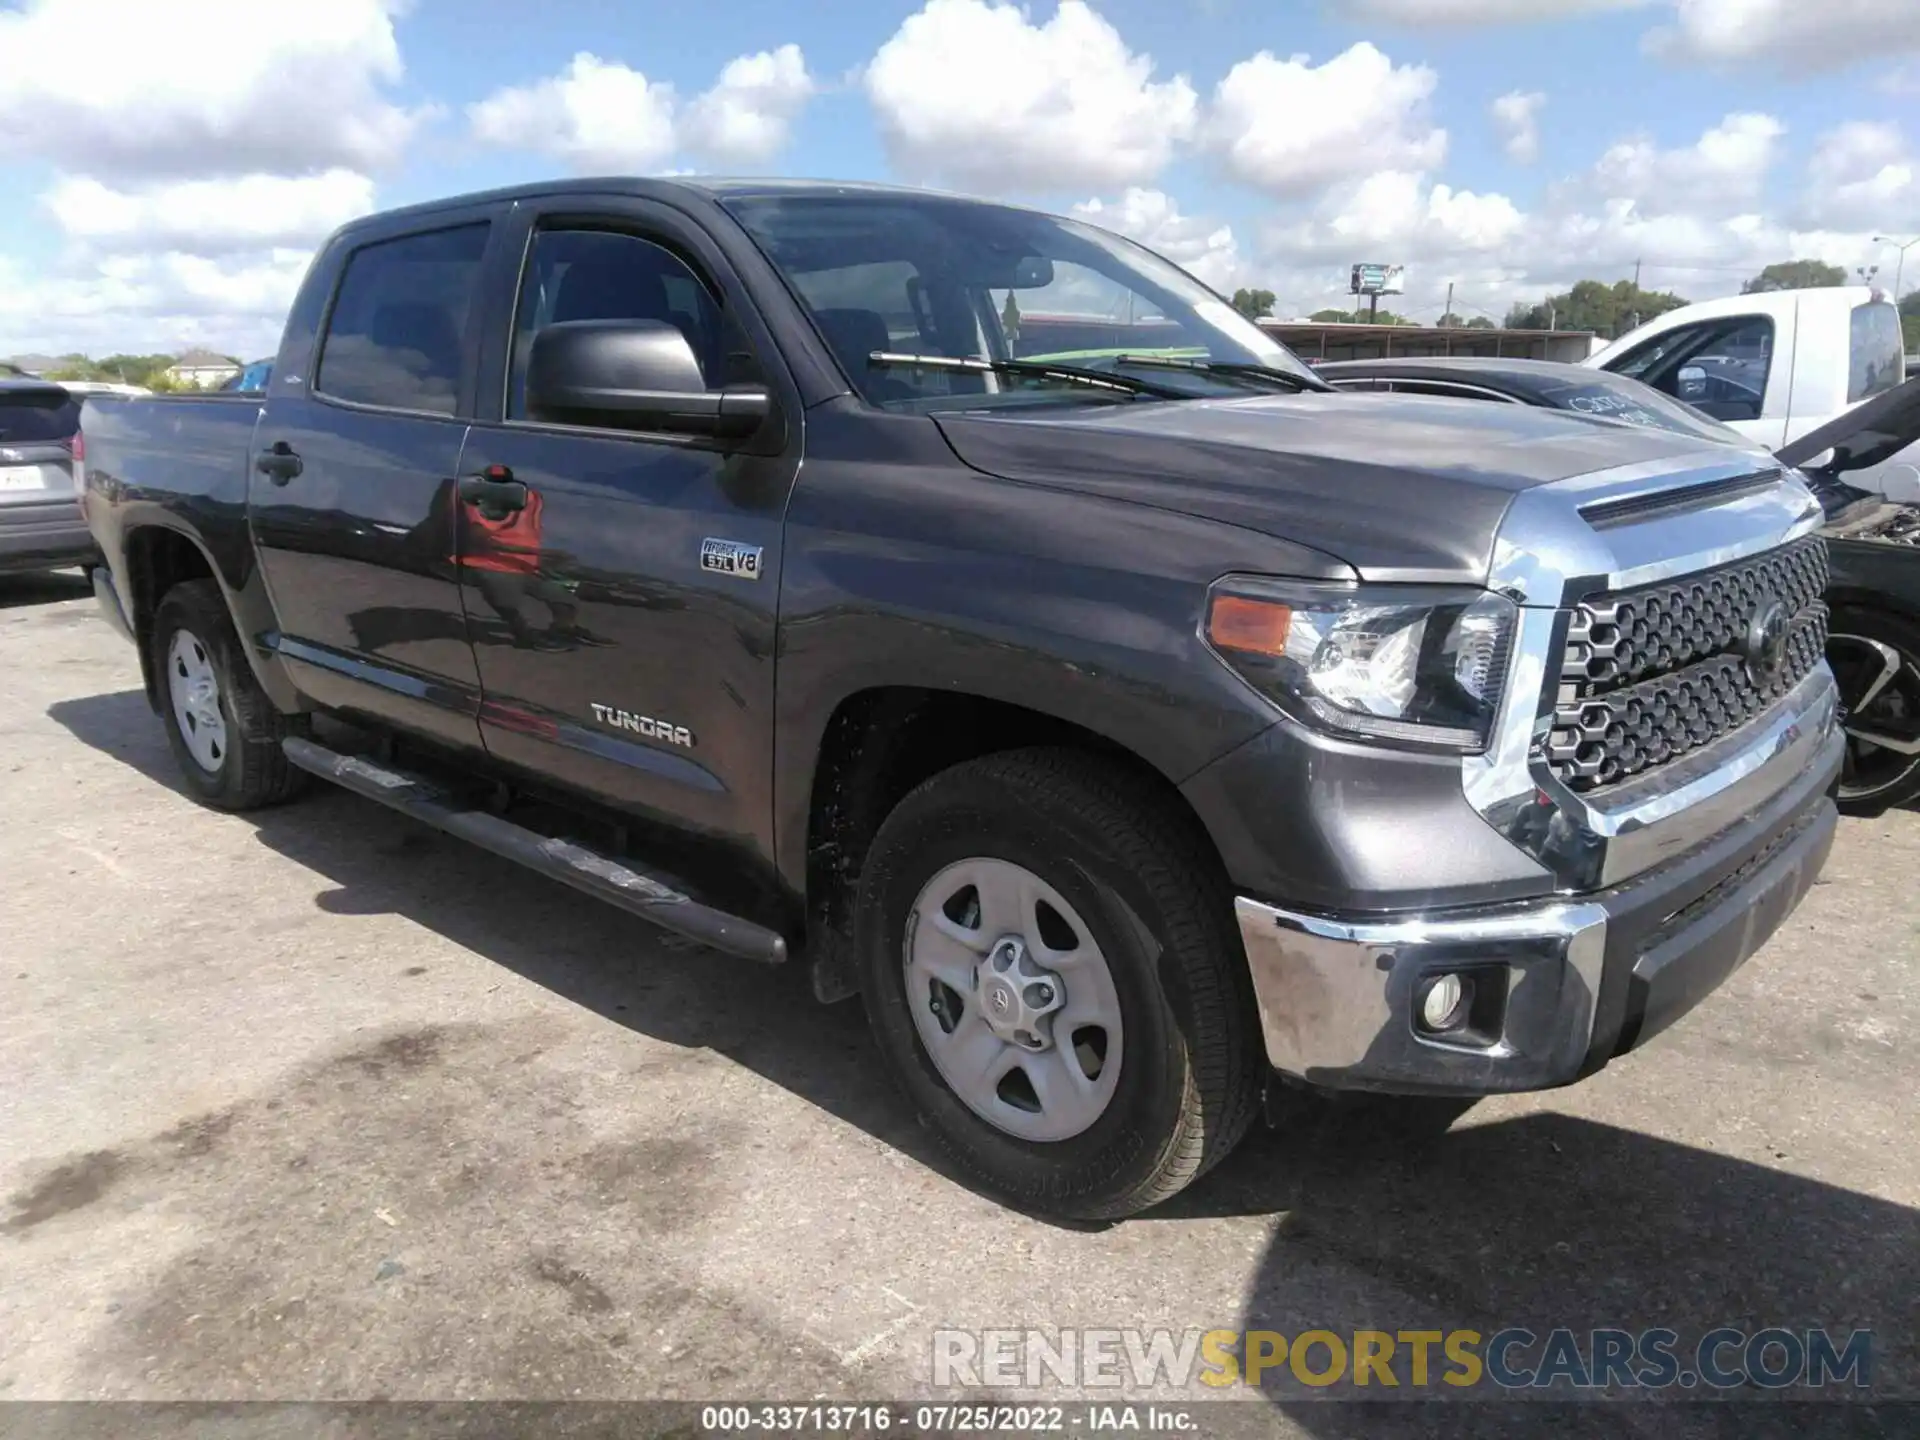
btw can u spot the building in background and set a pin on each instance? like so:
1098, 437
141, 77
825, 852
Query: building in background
1317, 340
202, 369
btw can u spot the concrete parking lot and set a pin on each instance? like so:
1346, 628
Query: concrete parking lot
319, 1104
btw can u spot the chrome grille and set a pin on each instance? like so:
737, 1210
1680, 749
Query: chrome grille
1653, 673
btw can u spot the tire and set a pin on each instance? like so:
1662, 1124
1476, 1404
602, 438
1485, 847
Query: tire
1136, 884
1875, 655
224, 732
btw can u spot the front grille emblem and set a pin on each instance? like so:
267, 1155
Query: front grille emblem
1764, 645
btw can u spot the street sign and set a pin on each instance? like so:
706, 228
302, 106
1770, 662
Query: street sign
1379, 279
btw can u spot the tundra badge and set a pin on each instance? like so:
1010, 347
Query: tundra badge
642, 725
730, 557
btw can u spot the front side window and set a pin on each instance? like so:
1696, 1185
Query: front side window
956, 279
1877, 358
609, 275
399, 324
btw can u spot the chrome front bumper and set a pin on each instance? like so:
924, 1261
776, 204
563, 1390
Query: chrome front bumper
1575, 980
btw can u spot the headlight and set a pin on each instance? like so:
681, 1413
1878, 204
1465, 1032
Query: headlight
1410, 664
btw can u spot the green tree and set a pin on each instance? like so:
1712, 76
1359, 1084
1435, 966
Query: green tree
1481, 322
1910, 321
1795, 275
1253, 303
1609, 310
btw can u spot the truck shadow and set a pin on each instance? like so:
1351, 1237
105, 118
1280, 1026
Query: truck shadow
43, 587
1547, 1220
1540, 1221
372, 860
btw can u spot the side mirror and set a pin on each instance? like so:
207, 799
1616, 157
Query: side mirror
633, 375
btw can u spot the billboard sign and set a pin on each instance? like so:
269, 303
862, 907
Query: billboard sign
1379, 279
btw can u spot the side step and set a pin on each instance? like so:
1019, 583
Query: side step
586, 870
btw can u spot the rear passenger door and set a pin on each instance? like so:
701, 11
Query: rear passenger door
352, 496
623, 615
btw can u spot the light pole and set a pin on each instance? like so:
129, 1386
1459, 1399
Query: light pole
1900, 264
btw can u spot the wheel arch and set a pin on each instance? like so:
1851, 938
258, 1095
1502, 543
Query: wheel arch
155, 558
877, 745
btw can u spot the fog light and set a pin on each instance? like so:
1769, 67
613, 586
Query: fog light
1444, 1002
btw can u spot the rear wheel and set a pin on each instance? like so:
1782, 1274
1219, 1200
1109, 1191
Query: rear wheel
1052, 971
224, 732
1875, 657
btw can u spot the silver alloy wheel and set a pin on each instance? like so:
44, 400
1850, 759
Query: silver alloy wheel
194, 688
1880, 754
1013, 999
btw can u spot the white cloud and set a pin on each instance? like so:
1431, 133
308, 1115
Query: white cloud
594, 115
1862, 175
1516, 116
601, 115
209, 217
977, 94
1478, 12
1151, 217
1795, 35
220, 87
1289, 127
1397, 216
1725, 168
143, 304
746, 118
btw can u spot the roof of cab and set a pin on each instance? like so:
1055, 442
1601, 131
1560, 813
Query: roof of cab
711, 188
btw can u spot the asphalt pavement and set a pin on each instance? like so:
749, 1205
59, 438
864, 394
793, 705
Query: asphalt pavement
319, 1104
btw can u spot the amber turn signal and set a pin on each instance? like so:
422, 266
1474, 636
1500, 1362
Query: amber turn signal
1258, 627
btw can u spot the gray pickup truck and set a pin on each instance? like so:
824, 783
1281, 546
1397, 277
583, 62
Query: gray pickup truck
969, 605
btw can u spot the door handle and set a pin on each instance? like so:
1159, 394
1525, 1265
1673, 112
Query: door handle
278, 462
494, 492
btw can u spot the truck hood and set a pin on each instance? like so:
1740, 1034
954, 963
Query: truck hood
1400, 487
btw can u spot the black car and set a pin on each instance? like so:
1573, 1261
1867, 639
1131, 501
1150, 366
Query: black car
1598, 393
1873, 641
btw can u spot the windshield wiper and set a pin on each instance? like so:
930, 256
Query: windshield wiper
1236, 369
1039, 370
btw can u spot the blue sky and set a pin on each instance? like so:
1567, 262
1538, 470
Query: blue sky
179, 171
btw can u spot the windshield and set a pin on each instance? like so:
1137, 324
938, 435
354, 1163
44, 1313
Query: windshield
935, 275
1631, 403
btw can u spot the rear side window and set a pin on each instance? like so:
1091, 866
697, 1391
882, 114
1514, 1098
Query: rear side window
1877, 357
399, 323
35, 417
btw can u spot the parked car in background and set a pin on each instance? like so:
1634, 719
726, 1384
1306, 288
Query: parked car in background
1873, 541
1871, 495
1773, 365
41, 527
1600, 395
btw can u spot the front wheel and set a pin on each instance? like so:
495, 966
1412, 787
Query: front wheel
1875, 657
1052, 971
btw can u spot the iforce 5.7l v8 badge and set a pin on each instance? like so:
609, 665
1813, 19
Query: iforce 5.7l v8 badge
730, 557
